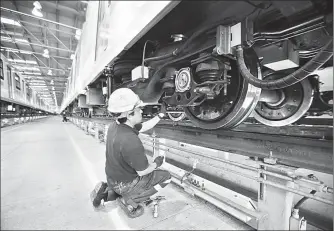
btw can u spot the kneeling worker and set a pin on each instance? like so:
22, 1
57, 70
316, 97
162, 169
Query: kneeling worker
128, 171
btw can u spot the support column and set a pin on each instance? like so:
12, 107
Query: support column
275, 202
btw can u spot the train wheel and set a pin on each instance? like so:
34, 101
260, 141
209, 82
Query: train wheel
228, 111
294, 103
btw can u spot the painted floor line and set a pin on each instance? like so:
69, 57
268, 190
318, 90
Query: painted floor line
119, 223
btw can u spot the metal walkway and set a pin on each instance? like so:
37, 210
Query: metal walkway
48, 169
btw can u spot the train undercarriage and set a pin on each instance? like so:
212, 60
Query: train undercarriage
222, 62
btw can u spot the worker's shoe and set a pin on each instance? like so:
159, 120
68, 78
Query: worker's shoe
99, 193
130, 210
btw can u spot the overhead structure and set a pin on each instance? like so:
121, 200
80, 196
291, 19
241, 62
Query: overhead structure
39, 39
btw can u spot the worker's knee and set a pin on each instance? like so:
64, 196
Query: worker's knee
165, 175
165, 178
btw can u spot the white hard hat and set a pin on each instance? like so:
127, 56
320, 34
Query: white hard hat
123, 100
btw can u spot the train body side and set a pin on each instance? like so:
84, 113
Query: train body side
14, 88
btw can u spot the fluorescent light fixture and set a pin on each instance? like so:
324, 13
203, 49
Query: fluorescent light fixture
31, 62
26, 68
10, 21
6, 32
8, 39
17, 51
22, 61
21, 40
31, 73
26, 52
5, 38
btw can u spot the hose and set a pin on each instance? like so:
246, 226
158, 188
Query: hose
317, 61
301, 201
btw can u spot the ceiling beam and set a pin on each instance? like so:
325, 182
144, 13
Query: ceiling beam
56, 37
35, 44
25, 51
61, 7
54, 29
32, 16
42, 85
46, 77
25, 65
19, 18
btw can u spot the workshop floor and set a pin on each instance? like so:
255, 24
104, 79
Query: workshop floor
48, 169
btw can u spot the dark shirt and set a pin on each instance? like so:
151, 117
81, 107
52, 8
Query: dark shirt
125, 153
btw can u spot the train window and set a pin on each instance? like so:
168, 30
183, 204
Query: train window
1, 68
17, 82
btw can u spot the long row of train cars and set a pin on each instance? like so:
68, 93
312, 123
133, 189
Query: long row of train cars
215, 63
17, 98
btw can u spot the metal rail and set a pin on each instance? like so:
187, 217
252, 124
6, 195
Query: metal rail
264, 180
308, 150
258, 179
314, 154
209, 190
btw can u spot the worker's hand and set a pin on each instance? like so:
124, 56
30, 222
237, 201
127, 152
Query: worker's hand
159, 160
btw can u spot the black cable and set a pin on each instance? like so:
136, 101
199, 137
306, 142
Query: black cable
301, 201
317, 61
143, 59
259, 6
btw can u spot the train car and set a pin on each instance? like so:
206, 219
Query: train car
215, 63
17, 98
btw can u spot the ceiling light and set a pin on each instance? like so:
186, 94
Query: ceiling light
50, 72
31, 73
8, 39
21, 40
37, 9
37, 12
77, 34
10, 21
26, 68
27, 52
72, 56
22, 61
31, 62
6, 32
37, 5
46, 53
3, 39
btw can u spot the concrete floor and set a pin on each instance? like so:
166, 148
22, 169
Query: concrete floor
48, 169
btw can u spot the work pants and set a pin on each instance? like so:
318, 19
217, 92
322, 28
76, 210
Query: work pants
141, 188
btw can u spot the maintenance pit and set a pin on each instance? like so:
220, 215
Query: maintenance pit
242, 185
